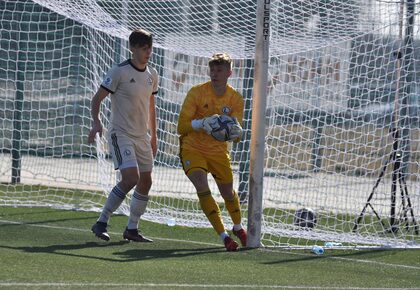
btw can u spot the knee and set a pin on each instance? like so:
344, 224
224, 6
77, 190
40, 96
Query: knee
128, 182
227, 192
144, 183
199, 180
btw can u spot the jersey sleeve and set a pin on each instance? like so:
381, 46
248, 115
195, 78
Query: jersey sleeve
187, 113
238, 110
111, 80
238, 107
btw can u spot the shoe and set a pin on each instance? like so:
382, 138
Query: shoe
135, 236
230, 244
99, 229
241, 234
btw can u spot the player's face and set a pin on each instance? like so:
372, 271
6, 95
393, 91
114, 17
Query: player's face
219, 74
142, 53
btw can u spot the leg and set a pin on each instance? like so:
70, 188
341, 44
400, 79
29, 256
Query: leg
208, 204
138, 208
139, 200
232, 202
211, 208
219, 166
129, 178
234, 208
127, 165
195, 167
140, 196
117, 195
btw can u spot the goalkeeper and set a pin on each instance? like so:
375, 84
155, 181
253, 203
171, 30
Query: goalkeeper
202, 154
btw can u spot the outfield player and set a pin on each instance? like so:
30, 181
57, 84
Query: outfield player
201, 154
132, 132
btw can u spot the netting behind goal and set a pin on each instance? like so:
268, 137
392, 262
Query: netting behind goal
342, 127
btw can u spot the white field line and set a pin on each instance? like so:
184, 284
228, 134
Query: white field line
173, 285
194, 286
213, 244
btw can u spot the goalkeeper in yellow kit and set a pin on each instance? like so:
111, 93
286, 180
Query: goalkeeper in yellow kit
202, 154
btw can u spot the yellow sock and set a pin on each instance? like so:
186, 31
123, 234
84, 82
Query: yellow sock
234, 208
211, 210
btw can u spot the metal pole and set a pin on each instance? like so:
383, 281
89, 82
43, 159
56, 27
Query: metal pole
407, 78
18, 108
407, 81
17, 122
395, 126
258, 124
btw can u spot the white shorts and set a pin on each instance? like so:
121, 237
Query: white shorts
131, 152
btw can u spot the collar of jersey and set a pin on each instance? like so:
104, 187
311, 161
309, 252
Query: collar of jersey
140, 70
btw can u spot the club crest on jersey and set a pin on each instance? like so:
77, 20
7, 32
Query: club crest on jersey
107, 81
226, 110
149, 81
187, 163
127, 152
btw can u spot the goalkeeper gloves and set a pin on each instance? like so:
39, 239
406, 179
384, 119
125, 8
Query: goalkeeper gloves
235, 130
207, 124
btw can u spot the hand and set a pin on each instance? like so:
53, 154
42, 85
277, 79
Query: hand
210, 123
96, 128
235, 130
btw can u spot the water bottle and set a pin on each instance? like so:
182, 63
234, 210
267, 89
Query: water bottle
332, 244
318, 250
171, 222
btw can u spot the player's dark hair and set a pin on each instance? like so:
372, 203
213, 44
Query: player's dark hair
140, 37
220, 59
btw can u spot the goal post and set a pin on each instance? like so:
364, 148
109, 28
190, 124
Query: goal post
259, 106
320, 90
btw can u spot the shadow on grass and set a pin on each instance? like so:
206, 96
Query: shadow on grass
20, 223
122, 256
23, 211
353, 254
142, 254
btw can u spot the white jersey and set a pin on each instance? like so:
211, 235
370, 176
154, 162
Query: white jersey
130, 90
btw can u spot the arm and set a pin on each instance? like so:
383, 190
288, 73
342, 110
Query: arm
152, 124
238, 108
238, 113
95, 106
187, 114
187, 121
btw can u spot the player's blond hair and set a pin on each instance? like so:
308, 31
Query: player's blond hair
220, 58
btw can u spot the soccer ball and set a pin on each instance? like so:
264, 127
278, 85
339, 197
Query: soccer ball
305, 218
221, 130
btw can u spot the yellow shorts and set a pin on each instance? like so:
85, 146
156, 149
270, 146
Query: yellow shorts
217, 164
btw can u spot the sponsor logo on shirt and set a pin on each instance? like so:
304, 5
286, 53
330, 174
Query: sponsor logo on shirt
132, 81
107, 81
226, 110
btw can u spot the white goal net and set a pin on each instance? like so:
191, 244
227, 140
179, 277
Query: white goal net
342, 121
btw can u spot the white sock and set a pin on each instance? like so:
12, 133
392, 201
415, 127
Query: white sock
237, 227
137, 208
115, 198
224, 235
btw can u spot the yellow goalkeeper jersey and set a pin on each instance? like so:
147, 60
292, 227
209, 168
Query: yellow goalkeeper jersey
201, 102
